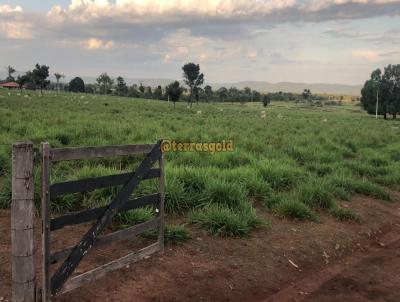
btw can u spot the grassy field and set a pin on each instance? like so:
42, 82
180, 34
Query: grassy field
298, 161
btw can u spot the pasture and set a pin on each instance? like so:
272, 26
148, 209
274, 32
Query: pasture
295, 161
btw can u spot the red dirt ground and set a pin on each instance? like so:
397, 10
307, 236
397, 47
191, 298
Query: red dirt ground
335, 261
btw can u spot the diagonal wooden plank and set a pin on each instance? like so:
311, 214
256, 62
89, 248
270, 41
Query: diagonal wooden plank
124, 234
82, 248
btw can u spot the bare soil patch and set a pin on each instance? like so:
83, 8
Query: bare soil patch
249, 269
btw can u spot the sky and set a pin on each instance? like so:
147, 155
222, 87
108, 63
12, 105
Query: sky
309, 41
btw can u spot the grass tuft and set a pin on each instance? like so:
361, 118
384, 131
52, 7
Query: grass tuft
343, 214
220, 220
291, 208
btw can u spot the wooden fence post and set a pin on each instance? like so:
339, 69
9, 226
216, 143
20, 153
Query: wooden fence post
161, 228
22, 220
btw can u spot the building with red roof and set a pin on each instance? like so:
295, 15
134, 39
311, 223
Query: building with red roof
10, 85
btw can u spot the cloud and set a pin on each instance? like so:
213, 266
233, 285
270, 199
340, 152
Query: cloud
390, 36
6, 9
365, 54
13, 24
236, 35
97, 44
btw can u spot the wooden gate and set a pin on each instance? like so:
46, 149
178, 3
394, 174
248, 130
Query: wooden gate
61, 281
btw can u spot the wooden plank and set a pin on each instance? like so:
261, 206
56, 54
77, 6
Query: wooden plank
22, 219
92, 214
90, 184
96, 152
100, 271
125, 234
82, 248
45, 208
161, 227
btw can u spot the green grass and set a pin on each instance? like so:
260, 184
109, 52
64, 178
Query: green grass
294, 162
343, 214
292, 208
222, 221
173, 234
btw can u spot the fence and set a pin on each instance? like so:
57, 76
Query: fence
24, 279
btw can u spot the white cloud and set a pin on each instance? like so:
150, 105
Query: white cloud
6, 9
97, 44
12, 23
172, 10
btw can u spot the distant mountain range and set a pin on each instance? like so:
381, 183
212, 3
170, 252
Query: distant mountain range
256, 85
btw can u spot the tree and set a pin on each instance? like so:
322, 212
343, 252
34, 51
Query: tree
391, 87
77, 85
122, 88
10, 71
58, 77
105, 83
193, 78
222, 94
306, 94
24, 79
208, 92
133, 91
148, 93
39, 76
266, 100
233, 94
382, 89
197, 91
174, 91
158, 93
141, 88
256, 96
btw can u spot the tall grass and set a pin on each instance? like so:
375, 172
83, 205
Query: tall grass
293, 162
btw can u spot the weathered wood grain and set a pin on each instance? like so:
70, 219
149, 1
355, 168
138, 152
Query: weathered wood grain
69, 265
45, 208
161, 208
22, 217
100, 271
96, 152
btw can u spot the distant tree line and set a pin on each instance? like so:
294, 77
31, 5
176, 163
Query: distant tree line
381, 93
174, 92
